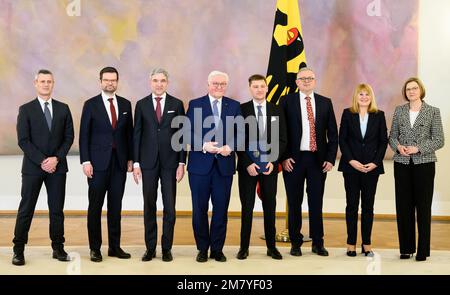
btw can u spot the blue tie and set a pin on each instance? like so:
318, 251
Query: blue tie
48, 116
216, 113
260, 120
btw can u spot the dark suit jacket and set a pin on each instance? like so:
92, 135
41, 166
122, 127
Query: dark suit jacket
153, 140
201, 163
368, 149
275, 118
97, 135
37, 142
326, 128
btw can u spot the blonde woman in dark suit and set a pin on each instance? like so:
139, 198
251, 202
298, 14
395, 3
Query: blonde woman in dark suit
363, 142
416, 134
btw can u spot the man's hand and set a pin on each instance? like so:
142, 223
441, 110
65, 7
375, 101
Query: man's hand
137, 174
49, 164
88, 170
327, 166
358, 166
288, 165
225, 150
180, 172
211, 147
251, 169
269, 166
369, 167
130, 166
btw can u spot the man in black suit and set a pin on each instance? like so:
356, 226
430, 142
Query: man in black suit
156, 159
45, 135
106, 153
266, 127
310, 154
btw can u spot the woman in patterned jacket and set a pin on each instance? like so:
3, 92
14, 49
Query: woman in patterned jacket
415, 135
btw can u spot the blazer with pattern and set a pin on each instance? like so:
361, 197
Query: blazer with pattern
427, 133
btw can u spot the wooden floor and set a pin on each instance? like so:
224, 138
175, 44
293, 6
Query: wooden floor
384, 233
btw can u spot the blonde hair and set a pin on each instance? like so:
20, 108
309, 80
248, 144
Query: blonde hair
421, 87
373, 108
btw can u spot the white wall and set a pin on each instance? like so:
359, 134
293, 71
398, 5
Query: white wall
434, 65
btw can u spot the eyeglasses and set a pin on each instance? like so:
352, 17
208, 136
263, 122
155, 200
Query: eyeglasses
109, 81
306, 79
217, 84
415, 88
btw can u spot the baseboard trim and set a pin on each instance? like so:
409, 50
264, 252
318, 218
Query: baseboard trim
138, 213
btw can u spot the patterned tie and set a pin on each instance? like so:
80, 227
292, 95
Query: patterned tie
260, 121
48, 116
312, 125
113, 113
216, 113
158, 109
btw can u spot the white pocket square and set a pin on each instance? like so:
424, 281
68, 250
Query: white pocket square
170, 112
273, 119
124, 113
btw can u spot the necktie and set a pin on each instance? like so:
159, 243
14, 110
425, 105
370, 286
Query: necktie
260, 120
158, 109
48, 116
113, 113
216, 113
312, 125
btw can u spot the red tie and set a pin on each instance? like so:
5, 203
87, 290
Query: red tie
158, 109
113, 113
312, 125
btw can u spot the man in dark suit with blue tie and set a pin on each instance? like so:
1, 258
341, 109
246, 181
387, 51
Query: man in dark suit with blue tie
45, 135
106, 153
156, 159
212, 164
311, 153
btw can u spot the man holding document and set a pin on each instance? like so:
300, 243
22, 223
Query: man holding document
265, 141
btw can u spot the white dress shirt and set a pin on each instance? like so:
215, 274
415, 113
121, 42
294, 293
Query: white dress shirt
108, 109
304, 143
162, 101
42, 103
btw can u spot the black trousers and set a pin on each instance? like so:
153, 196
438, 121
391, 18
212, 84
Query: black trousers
112, 182
56, 191
359, 186
305, 168
247, 191
414, 185
150, 180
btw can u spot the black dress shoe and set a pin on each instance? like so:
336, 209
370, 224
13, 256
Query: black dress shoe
405, 256
96, 256
61, 255
18, 259
202, 256
274, 253
167, 255
420, 257
296, 251
351, 253
218, 256
242, 254
320, 250
148, 255
119, 253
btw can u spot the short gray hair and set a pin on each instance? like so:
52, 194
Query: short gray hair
43, 72
217, 73
159, 71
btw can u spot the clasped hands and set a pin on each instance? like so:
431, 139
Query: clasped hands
49, 164
211, 147
407, 150
364, 168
